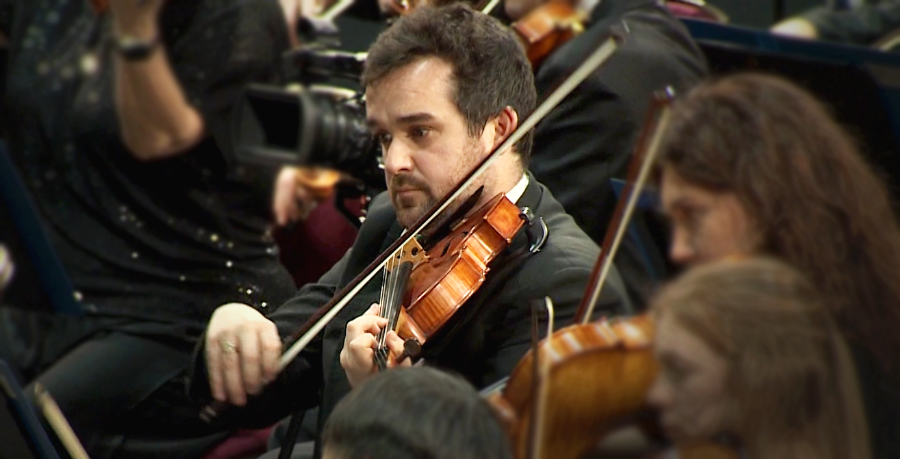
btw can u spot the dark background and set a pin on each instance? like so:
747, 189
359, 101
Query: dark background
761, 13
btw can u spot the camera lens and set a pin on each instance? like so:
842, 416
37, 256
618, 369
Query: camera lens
278, 127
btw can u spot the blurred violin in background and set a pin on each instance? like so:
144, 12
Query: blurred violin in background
548, 27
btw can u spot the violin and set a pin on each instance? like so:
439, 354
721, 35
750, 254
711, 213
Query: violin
548, 27
445, 277
596, 374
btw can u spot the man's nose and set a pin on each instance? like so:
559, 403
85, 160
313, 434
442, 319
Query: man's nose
398, 158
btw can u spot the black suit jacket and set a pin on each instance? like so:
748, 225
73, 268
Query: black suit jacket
862, 25
589, 137
488, 338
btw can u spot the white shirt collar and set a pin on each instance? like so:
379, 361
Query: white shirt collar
517, 191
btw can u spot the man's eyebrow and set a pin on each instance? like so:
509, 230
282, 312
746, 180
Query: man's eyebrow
405, 119
415, 118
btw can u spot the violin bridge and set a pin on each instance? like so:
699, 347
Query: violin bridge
411, 252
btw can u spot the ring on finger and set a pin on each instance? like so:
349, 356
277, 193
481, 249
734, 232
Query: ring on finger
228, 347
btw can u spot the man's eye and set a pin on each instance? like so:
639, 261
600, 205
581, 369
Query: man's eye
418, 132
384, 140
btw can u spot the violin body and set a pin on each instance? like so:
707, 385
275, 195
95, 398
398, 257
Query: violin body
598, 374
546, 28
456, 268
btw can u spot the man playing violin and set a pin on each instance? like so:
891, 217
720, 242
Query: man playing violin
444, 87
587, 140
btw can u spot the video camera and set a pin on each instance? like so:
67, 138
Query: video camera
314, 122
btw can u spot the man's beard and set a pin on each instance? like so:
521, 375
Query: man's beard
410, 209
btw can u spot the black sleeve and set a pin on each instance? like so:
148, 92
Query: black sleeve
514, 339
862, 25
7, 13
299, 386
220, 51
561, 273
579, 146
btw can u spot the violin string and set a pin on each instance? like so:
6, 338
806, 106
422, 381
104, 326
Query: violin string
386, 274
385, 297
392, 300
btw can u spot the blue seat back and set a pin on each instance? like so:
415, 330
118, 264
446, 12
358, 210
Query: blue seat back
40, 282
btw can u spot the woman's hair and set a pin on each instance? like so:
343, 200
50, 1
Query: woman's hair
789, 370
815, 201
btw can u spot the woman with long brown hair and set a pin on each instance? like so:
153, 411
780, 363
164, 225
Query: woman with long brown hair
753, 163
748, 351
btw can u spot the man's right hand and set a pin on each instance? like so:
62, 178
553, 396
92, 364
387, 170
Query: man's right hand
242, 352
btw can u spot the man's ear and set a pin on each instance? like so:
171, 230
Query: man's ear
504, 124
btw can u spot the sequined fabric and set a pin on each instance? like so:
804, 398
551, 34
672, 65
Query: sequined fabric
167, 240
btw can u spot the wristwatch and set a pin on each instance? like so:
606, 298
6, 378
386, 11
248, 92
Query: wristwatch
135, 49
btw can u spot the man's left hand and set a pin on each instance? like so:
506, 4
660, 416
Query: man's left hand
357, 356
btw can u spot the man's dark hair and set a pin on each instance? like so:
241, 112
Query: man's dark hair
414, 413
489, 64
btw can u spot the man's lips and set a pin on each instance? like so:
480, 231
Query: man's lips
403, 191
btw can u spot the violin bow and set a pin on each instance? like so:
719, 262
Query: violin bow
489, 6
304, 335
540, 373
655, 125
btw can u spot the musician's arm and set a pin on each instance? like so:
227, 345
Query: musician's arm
862, 25
579, 146
187, 88
155, 118
299, 384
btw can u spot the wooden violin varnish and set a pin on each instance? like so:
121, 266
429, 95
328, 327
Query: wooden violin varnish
546, 28
455, 269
